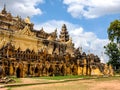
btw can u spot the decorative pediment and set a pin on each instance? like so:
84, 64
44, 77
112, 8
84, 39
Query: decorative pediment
26, 31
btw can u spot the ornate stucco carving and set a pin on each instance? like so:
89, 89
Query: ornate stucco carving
2, 43
26, 31
27, 20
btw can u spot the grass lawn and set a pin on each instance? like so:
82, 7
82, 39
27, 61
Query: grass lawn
108, 78
17, 80
97, 78
63, 77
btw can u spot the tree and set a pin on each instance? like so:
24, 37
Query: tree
114, 54
114, 31
112, 49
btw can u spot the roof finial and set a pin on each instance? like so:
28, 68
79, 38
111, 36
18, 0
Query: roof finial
89, 51
80, 48
64, 26
4, 9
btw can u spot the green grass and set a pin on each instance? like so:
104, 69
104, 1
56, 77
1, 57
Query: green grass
9, 88
108, 78
17, 80
63, 77
97, 78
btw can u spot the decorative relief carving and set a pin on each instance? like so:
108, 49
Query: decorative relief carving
26, 31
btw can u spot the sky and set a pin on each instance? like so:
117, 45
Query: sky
86, 20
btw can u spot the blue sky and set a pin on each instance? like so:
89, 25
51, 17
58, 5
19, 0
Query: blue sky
87, 20
56, 10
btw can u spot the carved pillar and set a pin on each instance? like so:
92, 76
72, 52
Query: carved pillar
106, 69
88, 65
79, 68
111, 70
84, 67
11, 70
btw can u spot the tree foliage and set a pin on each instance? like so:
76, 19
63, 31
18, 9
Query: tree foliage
114, 31
114, 54
112, 50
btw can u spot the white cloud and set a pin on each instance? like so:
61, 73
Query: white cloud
88, 40
92, 8
23, 8
51, 25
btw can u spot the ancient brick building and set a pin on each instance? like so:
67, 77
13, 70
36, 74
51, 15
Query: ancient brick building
25, 51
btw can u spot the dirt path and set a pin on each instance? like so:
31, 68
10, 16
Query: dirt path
76, 85
106, 85
3, 88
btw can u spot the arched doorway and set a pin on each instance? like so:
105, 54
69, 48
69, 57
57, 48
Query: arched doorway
28, 73
36, 71
18, 71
